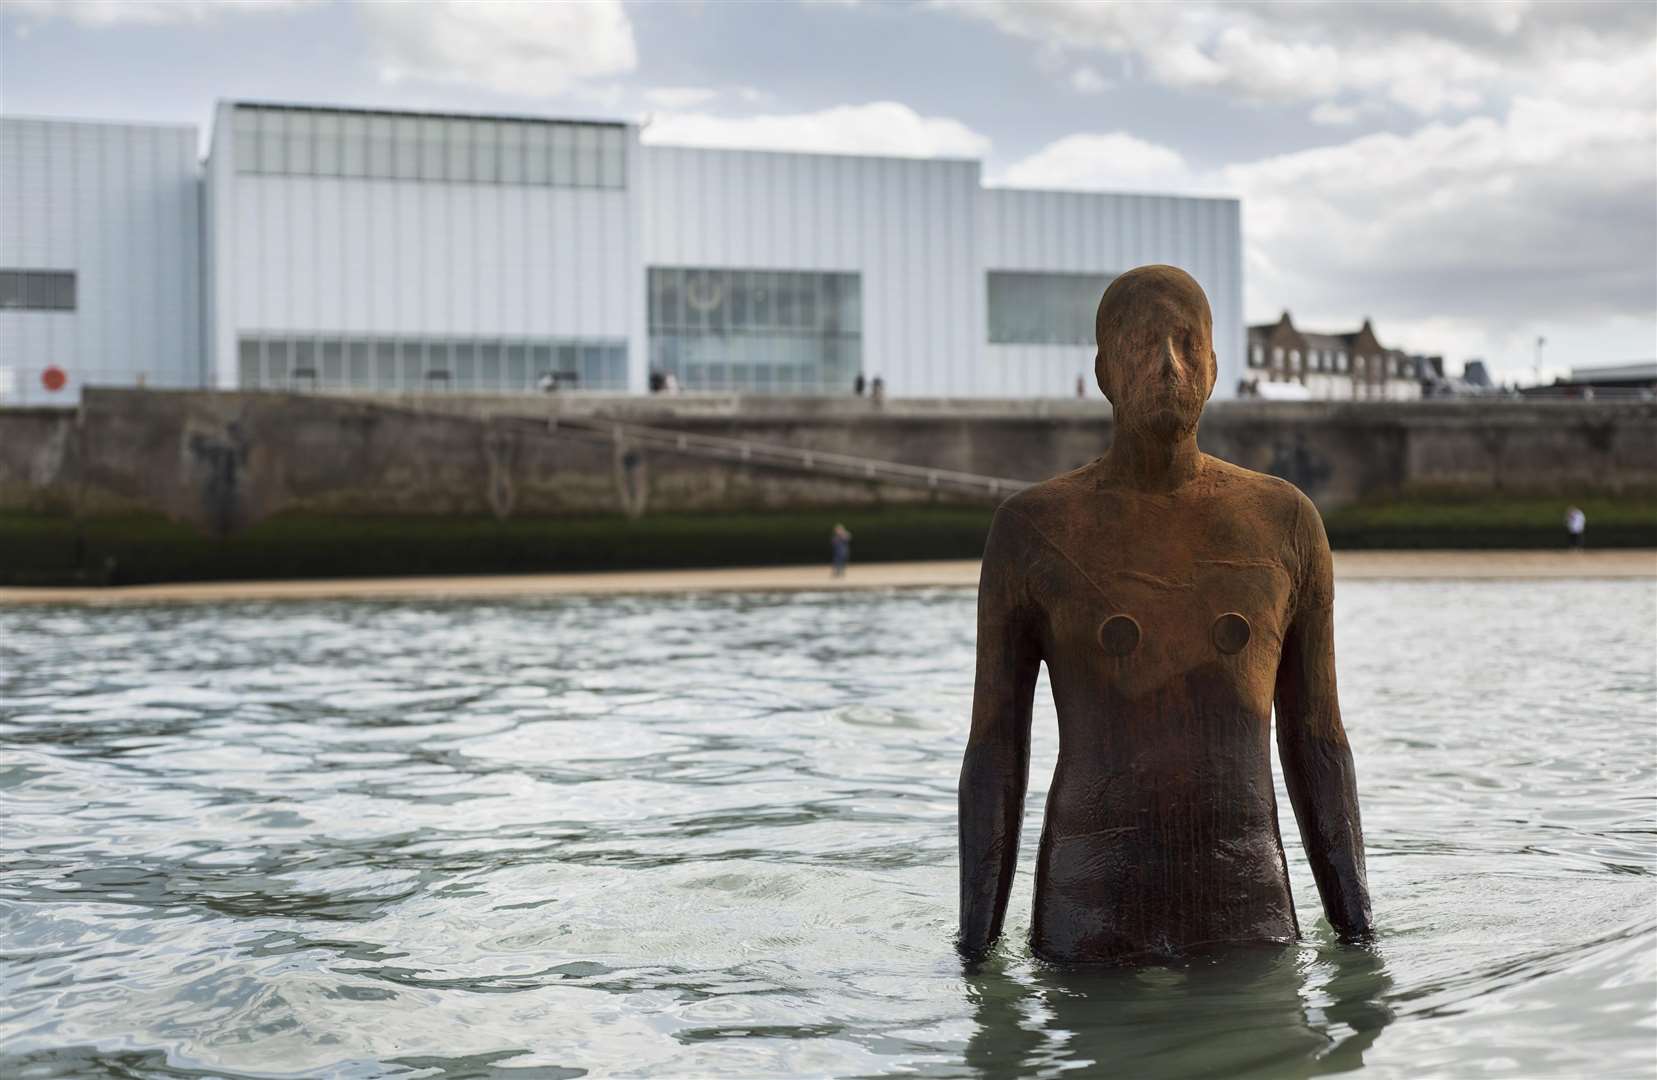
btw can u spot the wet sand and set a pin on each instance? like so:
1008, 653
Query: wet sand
1349, 565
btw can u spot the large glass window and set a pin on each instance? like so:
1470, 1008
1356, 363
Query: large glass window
412, 364
517, 366
459, 135
432, 164
327, 144
612, 158
563, 155
489, 366
332, 362
586, 157
302, 373
512, 153
354, 146
486, 151
247, 364
761, 330
247, 141
537, 160
290, 141
300, 161
273, 151
385, 365
462, 365
276, 364
1028, 308
406, 132
37, 290
379, 147
361, 371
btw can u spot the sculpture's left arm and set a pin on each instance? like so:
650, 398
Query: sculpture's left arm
1311, 743
995, 771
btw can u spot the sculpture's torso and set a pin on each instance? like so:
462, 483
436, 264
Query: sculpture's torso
1161, 829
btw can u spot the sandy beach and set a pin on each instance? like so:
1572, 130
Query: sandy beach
1349, 566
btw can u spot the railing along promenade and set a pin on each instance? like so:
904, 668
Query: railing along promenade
778, 456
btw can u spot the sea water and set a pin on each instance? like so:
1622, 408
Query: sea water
715, 835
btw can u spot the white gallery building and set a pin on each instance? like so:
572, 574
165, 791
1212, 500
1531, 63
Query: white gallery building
351, 250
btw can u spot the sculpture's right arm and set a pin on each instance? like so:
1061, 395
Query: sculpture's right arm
995, 772
1311, 742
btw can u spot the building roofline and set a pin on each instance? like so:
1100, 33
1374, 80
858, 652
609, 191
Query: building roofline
807, 153
1094, 192
85, 121
1633, 370
423, 114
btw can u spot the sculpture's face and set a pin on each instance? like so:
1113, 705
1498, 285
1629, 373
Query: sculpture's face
1156, 351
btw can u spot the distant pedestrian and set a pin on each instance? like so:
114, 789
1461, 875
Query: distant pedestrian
840, 542
1576, 523
1081, 387
670, 383
658, 382
858, 384
877, 390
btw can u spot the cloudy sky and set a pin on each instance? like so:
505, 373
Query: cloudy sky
1469, 175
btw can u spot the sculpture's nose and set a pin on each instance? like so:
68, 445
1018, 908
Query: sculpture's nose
1170, 360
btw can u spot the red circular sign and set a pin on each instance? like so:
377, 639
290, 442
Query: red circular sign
53, 378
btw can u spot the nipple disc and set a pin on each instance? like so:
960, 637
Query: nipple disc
1119, 635
1230, 633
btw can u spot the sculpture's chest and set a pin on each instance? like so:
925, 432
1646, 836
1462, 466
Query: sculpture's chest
1141, 612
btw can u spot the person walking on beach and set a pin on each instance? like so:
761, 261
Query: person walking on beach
840, 542
1576, 523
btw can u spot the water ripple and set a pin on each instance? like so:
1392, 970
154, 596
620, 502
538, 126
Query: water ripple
715, 835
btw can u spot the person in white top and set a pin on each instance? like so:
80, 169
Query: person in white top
1576, 522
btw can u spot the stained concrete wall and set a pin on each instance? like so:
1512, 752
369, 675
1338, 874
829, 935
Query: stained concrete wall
225, 460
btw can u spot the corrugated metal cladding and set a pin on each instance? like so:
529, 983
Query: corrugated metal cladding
119, 206
417, 258
907, 227
1108, 233
343, 248
923, 235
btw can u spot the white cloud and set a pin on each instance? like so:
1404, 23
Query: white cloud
1087, 80
516, 47
155, 12
1328, 114
880, 127
1470, 237
1548, 214
680, 97
1110, 162
1427, 59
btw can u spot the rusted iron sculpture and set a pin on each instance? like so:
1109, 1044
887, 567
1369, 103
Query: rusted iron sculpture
1173, 597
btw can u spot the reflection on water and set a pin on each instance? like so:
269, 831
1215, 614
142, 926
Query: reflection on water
715, 835
1249, 1011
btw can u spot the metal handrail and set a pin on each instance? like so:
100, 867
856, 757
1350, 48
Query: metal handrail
790, 457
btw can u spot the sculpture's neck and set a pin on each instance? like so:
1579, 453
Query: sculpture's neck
1144, 463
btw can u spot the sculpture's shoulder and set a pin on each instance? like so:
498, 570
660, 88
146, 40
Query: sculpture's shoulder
1270, 502
1050, 502
1032, 518
1274, 514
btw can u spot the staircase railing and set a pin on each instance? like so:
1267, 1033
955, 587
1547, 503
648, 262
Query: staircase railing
793, 458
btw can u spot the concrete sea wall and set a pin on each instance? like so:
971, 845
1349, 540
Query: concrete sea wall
223, 461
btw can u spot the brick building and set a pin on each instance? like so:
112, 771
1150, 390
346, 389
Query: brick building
1341, 366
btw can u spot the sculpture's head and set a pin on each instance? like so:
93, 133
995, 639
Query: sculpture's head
1156, 359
